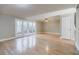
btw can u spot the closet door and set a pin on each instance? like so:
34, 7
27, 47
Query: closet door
67, 26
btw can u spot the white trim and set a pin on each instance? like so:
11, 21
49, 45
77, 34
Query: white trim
63, 37
66, 38
45, 15
52, 33
18, 36
1, 40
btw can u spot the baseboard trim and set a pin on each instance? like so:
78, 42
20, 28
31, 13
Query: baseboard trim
5, 39
52, 33
10, 38
66, 38
40, 33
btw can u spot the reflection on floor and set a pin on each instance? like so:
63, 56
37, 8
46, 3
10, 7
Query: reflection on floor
39, 44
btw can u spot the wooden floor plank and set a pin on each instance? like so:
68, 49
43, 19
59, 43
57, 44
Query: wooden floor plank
38, 44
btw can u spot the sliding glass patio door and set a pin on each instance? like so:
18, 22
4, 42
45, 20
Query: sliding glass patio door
25, 27
18, 26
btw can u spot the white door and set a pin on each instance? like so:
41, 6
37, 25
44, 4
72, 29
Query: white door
67, 26
72, 27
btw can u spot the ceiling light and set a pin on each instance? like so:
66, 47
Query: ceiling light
46, 20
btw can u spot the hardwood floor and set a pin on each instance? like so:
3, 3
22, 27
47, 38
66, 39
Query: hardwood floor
39, 44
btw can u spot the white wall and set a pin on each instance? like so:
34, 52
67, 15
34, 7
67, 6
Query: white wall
7, 26
77, 30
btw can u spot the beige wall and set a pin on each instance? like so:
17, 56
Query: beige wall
39, 26
52, 26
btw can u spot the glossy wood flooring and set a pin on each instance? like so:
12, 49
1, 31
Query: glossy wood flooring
39, 44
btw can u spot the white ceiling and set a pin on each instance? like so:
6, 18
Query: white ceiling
28, 10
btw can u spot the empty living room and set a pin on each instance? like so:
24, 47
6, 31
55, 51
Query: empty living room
39, 29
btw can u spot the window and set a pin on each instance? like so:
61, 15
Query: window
31, 27
18, 26
25, 27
